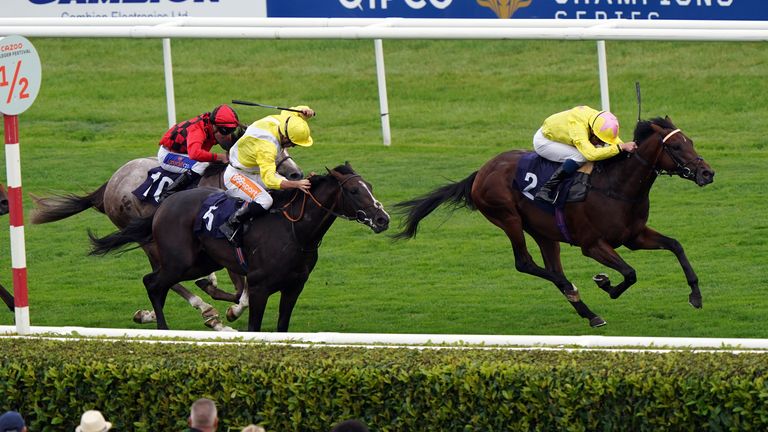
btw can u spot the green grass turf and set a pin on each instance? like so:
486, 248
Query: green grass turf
454, 105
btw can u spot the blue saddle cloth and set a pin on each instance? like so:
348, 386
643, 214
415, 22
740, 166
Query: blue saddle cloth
532, 172
157, 180
214, 211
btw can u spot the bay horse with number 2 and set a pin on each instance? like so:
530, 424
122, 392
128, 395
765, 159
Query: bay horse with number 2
614, 213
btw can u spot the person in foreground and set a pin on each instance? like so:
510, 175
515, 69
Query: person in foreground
12, 421
186, 147
252, 170
574, 137
203, 416
93, 421
350, 426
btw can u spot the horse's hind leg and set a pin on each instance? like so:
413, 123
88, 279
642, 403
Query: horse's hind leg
7, 298
550, 253
158, 284
209, 313
651, 239
512, 226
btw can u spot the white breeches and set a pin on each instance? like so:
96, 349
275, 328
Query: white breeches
179, 162
555, 151
246, 186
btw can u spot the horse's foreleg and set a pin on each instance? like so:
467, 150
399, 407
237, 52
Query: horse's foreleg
7, 298
288, 299
235, 311
603, 253
210, 286
209, 313
651, 239
257, 303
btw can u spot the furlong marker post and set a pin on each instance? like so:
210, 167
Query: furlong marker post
19, 85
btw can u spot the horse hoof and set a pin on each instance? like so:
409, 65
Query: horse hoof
597, 322
603, 281
215, 324
231, 314
210, 313
222, 328
143, 316
695, 301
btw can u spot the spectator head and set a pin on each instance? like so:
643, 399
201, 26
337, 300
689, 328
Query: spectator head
350, 426
253, 428
11, 421
203, 415
93, 421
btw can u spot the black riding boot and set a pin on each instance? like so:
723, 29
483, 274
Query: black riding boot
246, 212
548, 192
183, 181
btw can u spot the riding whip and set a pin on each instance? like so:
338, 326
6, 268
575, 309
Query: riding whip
240, 102
637, 90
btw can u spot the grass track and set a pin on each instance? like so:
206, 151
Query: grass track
454, 105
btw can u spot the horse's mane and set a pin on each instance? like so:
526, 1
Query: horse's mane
214, 170
643, 129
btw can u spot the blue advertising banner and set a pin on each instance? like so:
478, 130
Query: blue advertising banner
756, 10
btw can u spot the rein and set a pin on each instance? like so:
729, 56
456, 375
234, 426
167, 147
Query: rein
681, 168
330, 211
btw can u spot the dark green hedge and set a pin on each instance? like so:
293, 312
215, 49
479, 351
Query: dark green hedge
150, 386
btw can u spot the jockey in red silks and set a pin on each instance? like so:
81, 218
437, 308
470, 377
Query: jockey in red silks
186, 147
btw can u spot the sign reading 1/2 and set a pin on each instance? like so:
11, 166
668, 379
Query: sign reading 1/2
19, 74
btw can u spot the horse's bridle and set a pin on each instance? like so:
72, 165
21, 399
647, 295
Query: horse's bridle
282, 161
681, 166
361, 216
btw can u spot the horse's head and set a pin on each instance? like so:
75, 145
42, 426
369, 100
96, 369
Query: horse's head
3, 200
676, 154
356, 200
287, 167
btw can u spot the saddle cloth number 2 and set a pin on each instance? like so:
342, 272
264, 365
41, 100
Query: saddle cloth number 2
533, 181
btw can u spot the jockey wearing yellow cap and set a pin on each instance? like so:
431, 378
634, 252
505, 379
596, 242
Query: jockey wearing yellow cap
573, 137
252, 168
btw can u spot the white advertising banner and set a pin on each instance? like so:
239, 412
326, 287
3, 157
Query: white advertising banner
132, 8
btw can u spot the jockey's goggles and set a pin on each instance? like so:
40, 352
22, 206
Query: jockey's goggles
225, 130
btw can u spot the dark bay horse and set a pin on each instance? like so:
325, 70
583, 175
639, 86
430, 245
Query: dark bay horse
614, 213
281, 247
115, 198
5, 294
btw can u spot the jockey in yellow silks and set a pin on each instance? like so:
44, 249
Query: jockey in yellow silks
252, 169
573, 137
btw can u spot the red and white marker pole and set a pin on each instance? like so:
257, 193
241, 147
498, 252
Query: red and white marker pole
19, 84
18, 249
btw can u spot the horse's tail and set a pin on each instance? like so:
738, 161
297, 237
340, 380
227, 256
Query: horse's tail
137, 231
60, 207
458, 194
